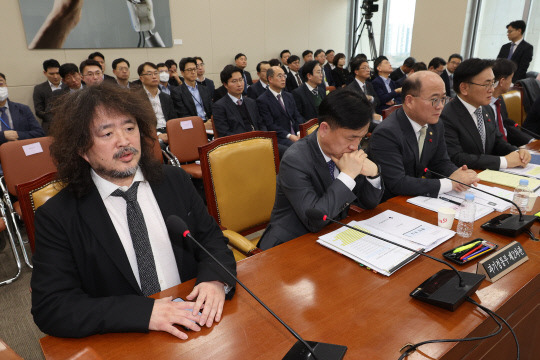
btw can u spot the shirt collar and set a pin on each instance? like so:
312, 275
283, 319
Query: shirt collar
359, 82
55, 87
471, 109
493, 99
234, 99
309, 87
150, 95
518, 42
448, 72
274, 93
326, 157
106, 188
194, 88
416, 126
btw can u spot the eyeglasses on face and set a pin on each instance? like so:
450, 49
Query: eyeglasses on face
436, 101
487, 86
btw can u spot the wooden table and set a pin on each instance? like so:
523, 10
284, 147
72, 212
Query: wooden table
329, 298
6, 353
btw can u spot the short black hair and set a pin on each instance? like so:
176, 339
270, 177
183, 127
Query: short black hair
283, 52
419, 66
274, 62
228, 72
338, 57
455, 56
51, 63
306, 52
3, 76
118, 61
328, 51
518, 25
436, 62
503, 68
309, 66
378, 62
238, 55
169, 63
317, 52
94, 54
186, 60
89, 62
161, 65
263, 63
68, 69
198, 58
469, 69
140, 69
409, 62
292, 59
356, 63
344, 108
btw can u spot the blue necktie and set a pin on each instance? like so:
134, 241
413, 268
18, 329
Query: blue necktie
4, 119
511, 52
331, 168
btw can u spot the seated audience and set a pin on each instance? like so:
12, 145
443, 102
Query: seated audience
294, 79
102, 242
412, 138
174, 78
327, 74
234, 113
164, 76
307, 56
339, 73
437, 65
472, 137
255, 90
401, 72
532, 122
310, 94
284, 55
418, 66
361, 71
219, 93
189, 98
201, 80
274, 62
71, 78
17, 120
97, 56
241, 61
325, 171
43, 91
330, 54
121, 71
91, 71
387, 91
448, 75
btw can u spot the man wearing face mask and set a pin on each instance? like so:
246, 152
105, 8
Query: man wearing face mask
17, 120
164, 76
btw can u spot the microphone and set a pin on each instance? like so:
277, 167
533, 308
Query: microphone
505, 224
536, 136
447, 289
315, 350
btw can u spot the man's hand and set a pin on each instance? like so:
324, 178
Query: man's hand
398, 90
294, 138
11, 135
166, 313
369, 97
210, 297
164, 138
175, 75
390, 103
518, 158
356, 163
466, 176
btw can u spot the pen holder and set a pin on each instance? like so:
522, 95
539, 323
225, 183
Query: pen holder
455, 257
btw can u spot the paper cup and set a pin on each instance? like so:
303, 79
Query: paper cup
446, 217
532, 200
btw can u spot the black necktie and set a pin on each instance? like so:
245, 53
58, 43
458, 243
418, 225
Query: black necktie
331, 167
141, 242
4, 125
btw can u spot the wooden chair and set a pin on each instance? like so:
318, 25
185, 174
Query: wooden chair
239, 173
32, 195
386, 112
185, 137
308, 127
329, 89
513, 99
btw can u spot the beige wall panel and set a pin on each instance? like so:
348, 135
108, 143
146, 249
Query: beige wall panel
327, 24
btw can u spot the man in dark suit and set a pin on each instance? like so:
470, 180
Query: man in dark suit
327, 74
100, 58
43, 91
517, 50
325, 171
400, 74
412, 138
294, 79
532, 122
284, 55
164, 76
387, 91
174, 78
241, 61
329, 65
360, 84
472, 137
121, 71
92, 72
278, 109
448, 74
190, 99
254, 91
310, 94
102, 245
201, 80
307, 56
234, 113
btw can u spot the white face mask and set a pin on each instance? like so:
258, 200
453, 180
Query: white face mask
3, 93
163, 76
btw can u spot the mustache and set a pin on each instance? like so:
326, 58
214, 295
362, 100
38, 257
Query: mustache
124, 151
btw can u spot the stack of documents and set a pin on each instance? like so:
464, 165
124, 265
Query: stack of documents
531, 170
507, 179
485, 199
444, 201
379, 255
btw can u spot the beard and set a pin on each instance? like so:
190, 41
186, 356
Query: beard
117, 174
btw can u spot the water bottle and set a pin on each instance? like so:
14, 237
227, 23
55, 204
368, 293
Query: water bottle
467, 211
521, 197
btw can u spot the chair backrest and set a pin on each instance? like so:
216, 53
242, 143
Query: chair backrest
329, 89
33, 194
19, 167
308, 127
216, 135
514, 105
239, 173
386, 112
185, 136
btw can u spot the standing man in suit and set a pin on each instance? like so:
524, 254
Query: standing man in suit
43, 91
360, 69
517, 50
472, 137
161, 103
327, 76
504, 69
17, 121
294, 79
164, 76
310, 94
412, 138
102, 245
241, 61
121, 71
201, 80
278, 109
254, 91
234, 113
97, 56
400, 74
307, 56
448, 74
387, 91
325, 171
190, 99
284, 55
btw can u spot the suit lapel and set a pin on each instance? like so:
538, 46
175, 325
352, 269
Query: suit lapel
320, 164
309, 95
464, 117
408, 134
190, 100
233, 109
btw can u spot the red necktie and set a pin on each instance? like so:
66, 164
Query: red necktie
499, 118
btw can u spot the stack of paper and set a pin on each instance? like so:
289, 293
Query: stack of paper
507, 179
380, 255
434, 204
531, 170
486, 199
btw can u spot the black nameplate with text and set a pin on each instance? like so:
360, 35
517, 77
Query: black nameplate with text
502, 262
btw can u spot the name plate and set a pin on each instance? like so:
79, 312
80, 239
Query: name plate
502, 262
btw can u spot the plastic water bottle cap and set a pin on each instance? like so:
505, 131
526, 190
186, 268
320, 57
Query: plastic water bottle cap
523, 182
469, 196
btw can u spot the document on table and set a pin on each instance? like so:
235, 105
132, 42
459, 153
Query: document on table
434, 204
531, 170
507, 179
377, 254
483, 198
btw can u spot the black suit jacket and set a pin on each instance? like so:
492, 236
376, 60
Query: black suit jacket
446, 80
514, 135
397, 74
340, 76
276, 119
304, 182
228, 120
167, 106
184, 103
285, 68
24, 122
306, 103
256, 90
209, 84
83, 283
354, 86
393, 145
532, 122
41, 95
219, 93
463, 139
328, 74
522, 56
384, 95
291, 83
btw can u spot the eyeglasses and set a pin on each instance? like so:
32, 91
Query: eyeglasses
91, 74
436, 101
122, 68
190, 69
281, 76
200, 65
364, 68
155, 73
236, 81
491, 85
